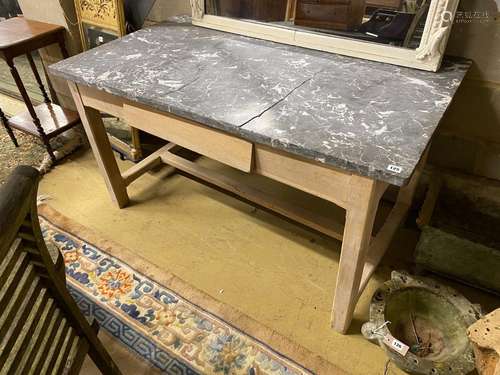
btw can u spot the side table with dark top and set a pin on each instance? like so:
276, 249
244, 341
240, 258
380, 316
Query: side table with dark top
20, 36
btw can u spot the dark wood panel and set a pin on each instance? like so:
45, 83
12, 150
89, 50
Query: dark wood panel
264, 10
260, 10
330, 14
389, 4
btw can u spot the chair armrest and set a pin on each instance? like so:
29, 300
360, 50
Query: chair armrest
17, 199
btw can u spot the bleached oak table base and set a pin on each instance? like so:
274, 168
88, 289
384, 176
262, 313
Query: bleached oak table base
359, 196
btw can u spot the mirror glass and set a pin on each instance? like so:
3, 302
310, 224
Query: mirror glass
393, 22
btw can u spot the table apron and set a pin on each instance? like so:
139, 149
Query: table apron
19, 49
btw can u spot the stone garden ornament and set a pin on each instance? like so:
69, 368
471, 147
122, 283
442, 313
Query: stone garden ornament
422, 325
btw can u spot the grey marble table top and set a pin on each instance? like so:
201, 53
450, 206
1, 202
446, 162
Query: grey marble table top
370, 118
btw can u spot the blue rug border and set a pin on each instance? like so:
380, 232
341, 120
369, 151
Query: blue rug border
186, 299
105, 318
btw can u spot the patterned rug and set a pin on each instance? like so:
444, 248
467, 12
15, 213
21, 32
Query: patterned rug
178, 329
32, 152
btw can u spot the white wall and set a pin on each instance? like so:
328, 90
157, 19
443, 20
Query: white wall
469, 137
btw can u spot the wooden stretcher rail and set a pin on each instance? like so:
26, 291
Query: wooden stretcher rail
251, 195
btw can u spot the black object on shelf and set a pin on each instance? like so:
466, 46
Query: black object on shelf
388, 24
9, 9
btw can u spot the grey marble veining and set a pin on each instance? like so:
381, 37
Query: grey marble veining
371, 118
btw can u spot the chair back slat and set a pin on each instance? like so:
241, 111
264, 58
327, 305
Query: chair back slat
77, 353
14, 297
8, 262
63, 354
55, 347
42, 325
19, 264
18, 322
10, 357
41, 352
22, 308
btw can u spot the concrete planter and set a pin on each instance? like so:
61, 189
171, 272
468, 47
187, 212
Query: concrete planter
430, 318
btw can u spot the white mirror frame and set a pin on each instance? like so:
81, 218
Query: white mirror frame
427, 56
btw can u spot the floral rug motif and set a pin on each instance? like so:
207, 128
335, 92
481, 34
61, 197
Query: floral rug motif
173, 334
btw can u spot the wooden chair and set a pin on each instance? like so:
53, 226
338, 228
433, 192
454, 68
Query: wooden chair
41, 328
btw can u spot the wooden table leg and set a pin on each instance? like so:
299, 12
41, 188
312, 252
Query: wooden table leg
96, 133
360, 253
136, 144
65, 55
53, 94
37, 78
5, 123
31, 109
407, 193
62, 45
360, 216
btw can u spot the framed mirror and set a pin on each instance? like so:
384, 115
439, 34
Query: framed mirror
411, 33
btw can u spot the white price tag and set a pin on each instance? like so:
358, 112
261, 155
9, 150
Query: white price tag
395, 169
396, 345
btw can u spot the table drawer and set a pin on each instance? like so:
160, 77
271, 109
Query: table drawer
206, 141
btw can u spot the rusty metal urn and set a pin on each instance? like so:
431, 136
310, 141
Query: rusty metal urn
430, 318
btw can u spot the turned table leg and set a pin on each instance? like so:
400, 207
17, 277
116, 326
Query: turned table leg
31, 109
37, 77
98, 138
5, 123
360, 216
62, 46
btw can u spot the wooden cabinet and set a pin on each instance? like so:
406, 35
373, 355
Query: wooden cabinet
225, 8
330, 14
260, 10
264, 10
385, 4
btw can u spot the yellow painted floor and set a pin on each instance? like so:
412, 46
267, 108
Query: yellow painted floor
278, 273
